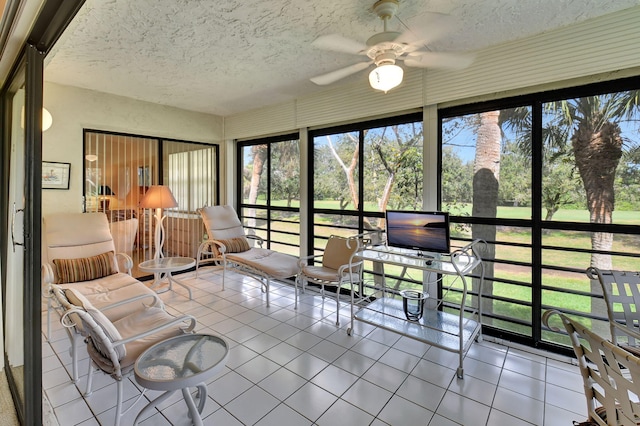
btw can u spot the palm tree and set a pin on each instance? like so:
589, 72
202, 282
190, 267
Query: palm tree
486, 178
597, 145
259, 153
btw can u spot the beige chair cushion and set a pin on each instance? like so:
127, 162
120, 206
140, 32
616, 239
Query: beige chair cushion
103, 285
124, 234
138, 322
85, 268
76, 235
337, 253
114, 288
321, 273
103, 322
221, 222
275, 264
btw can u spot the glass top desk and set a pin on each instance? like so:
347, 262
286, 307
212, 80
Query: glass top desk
452, 331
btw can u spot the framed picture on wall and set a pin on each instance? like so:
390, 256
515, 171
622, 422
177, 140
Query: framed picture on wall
55, 175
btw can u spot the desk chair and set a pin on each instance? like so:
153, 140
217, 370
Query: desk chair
338, 267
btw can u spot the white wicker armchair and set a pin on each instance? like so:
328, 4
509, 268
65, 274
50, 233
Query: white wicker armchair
610, 374
114, 346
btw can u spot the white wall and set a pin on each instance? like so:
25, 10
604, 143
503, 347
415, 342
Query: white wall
75, 109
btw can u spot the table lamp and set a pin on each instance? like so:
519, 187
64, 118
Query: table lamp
158, 197
105, 194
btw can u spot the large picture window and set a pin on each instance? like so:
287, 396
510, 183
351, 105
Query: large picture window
362, 170
269, 170
551, 182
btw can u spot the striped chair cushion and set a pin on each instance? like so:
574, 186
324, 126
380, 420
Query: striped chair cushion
85, 269
236, 245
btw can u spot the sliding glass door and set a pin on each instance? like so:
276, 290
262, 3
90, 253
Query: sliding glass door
20, 264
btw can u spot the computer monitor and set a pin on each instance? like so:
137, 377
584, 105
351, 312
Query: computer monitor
422, 231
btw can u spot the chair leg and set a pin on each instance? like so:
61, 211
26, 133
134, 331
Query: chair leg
338, 304
89, 379
198, 259
224, 271
74, 358
49, 319
120, 390
267, 290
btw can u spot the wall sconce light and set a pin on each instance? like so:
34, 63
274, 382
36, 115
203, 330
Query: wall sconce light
91, 157
47, 119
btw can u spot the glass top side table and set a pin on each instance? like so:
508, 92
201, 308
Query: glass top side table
179, 363
164, 266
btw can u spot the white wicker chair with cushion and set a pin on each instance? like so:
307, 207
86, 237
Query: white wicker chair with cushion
114, 346
338, 267
611, 375
79, 253
230, 246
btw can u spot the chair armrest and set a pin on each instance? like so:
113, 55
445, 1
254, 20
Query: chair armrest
354, 267
127, 262
48, 277
176, 320
621, 328
303, 260
260, 240
156, 301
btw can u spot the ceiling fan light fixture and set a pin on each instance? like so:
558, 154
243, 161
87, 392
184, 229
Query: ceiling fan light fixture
386, 77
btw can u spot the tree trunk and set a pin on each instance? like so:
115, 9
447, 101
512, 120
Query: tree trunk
348, 170
486, 178
259, 158
598, 154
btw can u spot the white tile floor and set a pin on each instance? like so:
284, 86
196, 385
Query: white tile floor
289, 367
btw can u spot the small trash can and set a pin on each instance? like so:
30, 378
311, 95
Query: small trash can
413, 303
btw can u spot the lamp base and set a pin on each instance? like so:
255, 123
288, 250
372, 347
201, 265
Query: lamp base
104, 205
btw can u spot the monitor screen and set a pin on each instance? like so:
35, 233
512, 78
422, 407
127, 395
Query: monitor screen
424, 231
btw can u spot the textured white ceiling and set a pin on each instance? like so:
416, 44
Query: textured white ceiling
228, 56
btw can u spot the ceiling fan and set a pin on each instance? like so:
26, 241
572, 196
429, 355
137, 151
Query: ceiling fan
385, 48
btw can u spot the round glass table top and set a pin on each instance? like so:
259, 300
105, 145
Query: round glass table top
167, 264
181, 361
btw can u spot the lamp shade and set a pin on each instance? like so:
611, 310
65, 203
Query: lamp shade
386, 77
158, 196
105, 190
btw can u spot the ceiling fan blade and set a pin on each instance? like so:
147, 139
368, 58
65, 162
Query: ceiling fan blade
336, 75
338, 43
426, 30
456, 61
